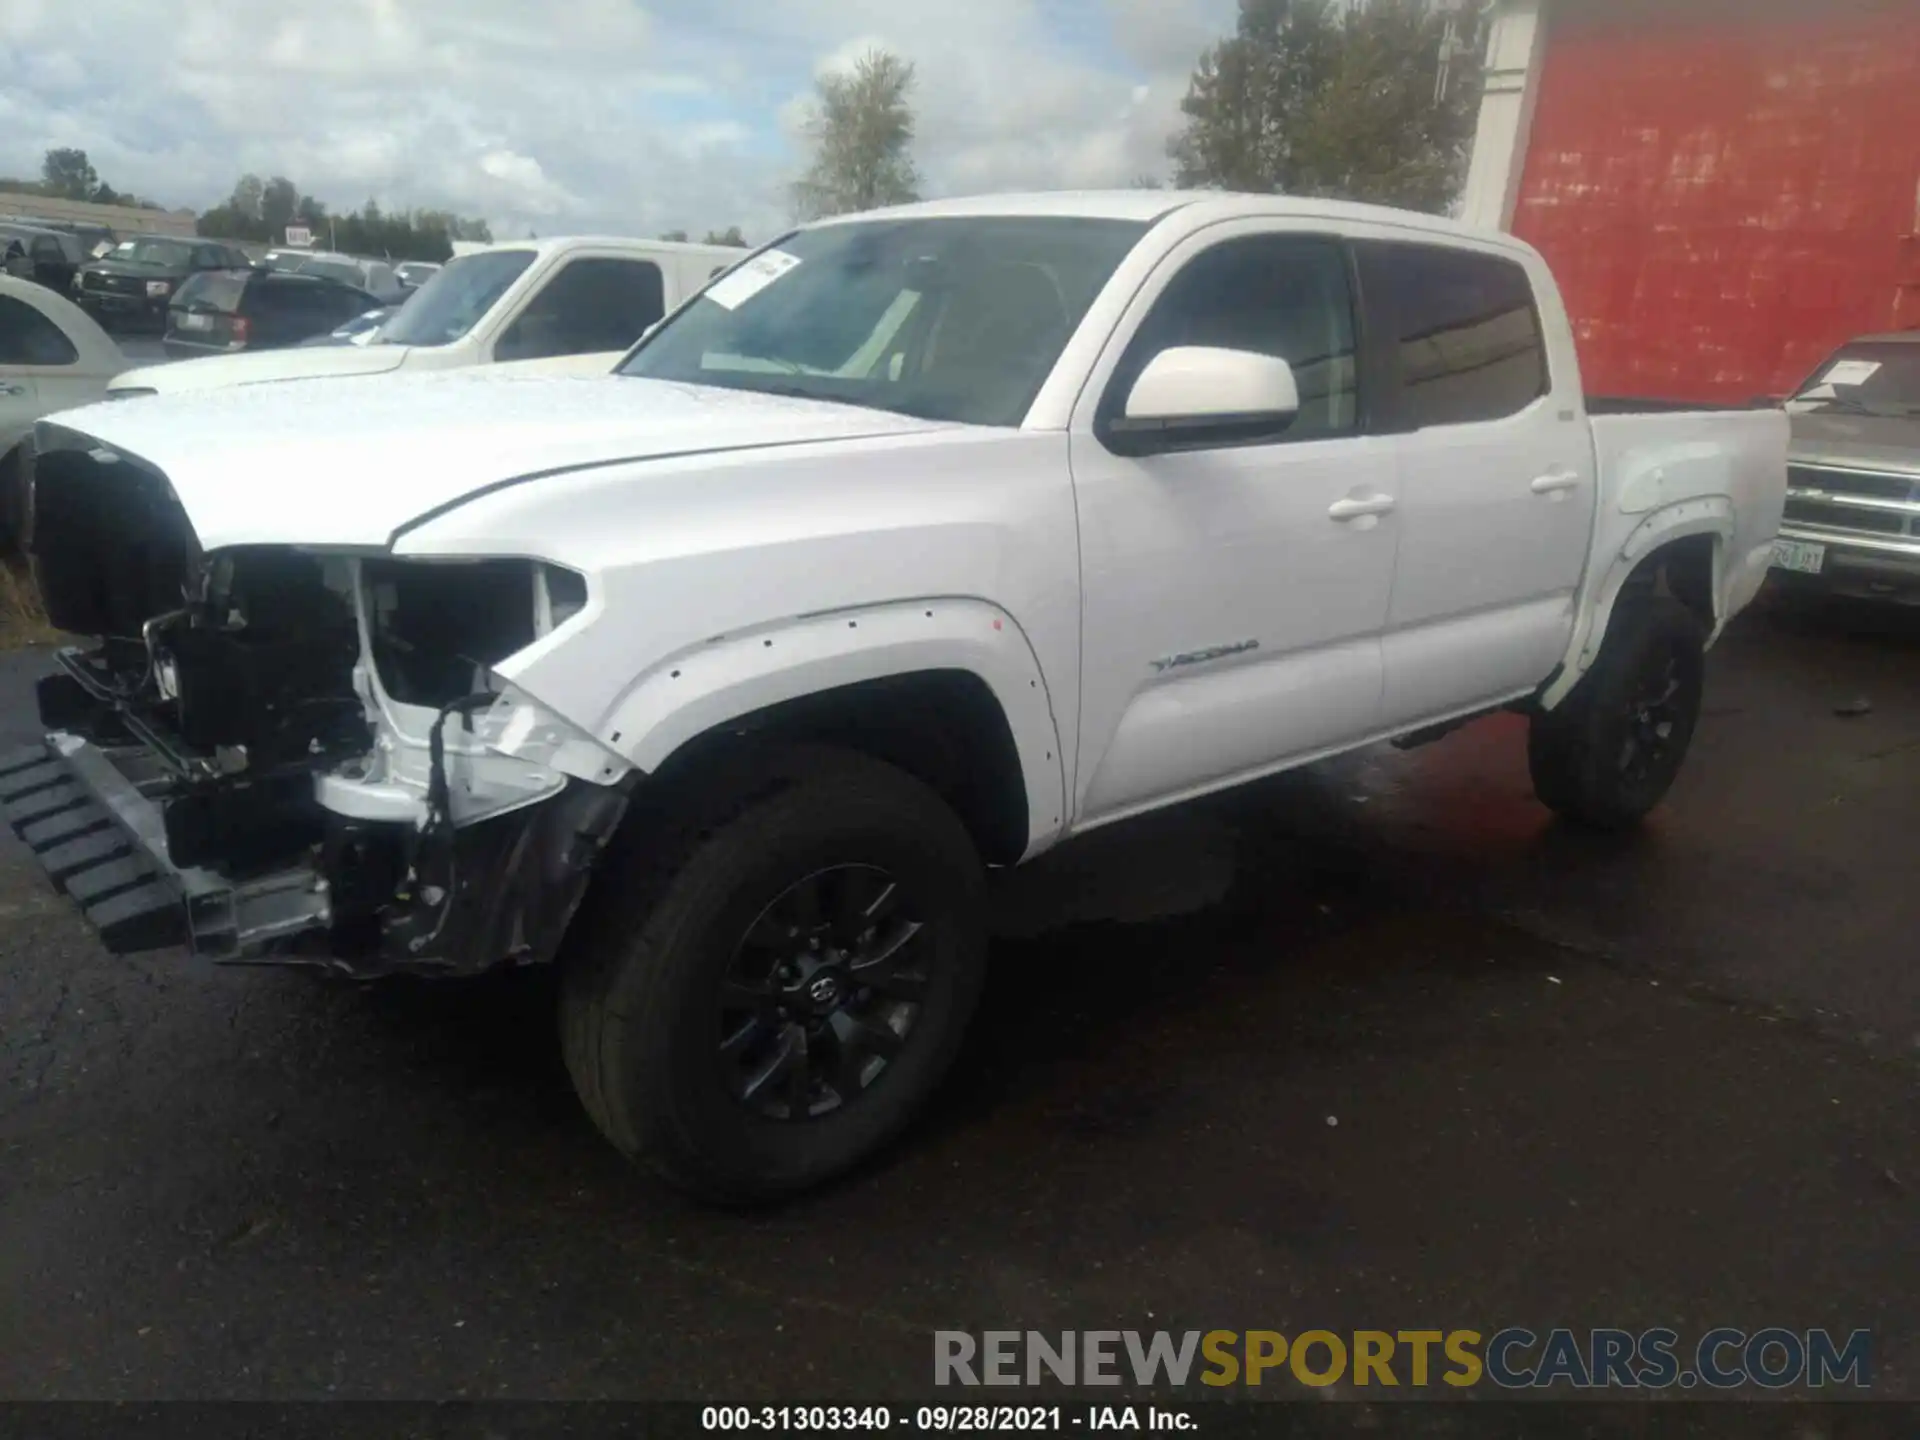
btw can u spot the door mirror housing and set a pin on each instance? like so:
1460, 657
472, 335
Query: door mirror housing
1193, 396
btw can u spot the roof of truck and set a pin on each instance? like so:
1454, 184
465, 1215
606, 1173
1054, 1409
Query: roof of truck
557, 243
1147, 206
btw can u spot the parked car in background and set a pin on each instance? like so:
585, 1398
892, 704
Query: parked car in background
227, 311
94, 240
135, 282
53, 356
52, 257
415, 273
1852, 525
567, 305
376, 277
922, 542
359, 330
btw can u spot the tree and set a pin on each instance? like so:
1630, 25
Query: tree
68, 175
279, 202
861, 128
729, 236
249, 191
674, 235
1370, 100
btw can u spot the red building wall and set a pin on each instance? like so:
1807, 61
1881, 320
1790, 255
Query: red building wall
1726, 197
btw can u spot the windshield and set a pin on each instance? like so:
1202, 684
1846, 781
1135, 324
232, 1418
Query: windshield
1866, 379
452, 302
151, 252
959, 318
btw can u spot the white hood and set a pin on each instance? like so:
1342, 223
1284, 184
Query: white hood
213, 372
350, 464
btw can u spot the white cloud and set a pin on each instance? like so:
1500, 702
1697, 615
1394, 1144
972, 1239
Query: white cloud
596, 114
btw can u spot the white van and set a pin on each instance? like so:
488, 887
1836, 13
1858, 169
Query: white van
571, 305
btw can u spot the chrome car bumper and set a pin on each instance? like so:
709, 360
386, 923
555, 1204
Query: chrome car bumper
1866, 566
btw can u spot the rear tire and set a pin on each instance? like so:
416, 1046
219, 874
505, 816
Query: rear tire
731, 955
1610, 753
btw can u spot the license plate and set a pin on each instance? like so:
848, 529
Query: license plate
1799, 555
192, 321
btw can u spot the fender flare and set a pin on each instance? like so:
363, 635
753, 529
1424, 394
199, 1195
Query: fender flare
1711, 515
692, 692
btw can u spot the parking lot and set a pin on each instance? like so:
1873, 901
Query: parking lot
1375, 1045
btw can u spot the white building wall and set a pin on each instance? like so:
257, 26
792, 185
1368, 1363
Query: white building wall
1516, 48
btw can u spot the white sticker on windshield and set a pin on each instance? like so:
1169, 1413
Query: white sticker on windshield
1851, 372
741, 284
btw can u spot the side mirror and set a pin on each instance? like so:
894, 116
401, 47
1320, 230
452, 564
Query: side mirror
1194, 395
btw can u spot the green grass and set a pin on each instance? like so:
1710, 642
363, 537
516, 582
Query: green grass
23, 619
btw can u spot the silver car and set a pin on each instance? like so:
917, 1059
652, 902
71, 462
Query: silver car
1852, 522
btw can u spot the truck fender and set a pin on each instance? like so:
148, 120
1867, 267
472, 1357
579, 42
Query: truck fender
1707, 515
703, 687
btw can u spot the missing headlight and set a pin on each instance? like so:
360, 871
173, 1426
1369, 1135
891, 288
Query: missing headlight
438, 627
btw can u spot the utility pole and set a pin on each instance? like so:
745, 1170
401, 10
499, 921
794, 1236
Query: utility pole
1450, 46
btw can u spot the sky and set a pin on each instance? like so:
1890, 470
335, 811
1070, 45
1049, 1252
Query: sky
573, 116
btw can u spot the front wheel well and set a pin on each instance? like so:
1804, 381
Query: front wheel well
946, 728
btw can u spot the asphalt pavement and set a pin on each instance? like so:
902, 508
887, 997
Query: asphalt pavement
1378, 1045
141, 349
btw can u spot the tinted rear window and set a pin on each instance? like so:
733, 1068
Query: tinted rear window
212, 290
1470, 345
289, 296
28, 338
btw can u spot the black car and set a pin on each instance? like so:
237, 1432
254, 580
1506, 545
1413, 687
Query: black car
136, 281
220, 312
35, 253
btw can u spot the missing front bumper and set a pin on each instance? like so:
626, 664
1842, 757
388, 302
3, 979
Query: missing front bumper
95, 818
88, 816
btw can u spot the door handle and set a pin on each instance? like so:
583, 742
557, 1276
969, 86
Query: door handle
1554, 482
6, 389
1344, 510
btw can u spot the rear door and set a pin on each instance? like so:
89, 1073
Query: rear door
1496, 482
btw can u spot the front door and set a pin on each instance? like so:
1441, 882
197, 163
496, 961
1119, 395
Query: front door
1234, 596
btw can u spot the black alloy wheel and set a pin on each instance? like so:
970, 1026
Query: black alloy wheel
822, 993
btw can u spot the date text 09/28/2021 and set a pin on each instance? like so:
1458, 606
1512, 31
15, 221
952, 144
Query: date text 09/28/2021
937, 1419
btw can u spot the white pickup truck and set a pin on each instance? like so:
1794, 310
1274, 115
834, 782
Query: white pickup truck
920, 543
561, 306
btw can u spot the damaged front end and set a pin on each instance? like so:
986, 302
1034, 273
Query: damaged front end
272, 754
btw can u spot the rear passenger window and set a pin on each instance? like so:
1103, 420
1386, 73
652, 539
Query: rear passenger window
1463, 330
591, 305
1279, 295
299, 302
28, 338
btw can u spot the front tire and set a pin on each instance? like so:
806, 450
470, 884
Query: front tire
1612, 750
771, 1000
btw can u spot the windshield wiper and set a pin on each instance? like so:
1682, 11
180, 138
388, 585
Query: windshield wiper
1847, 405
